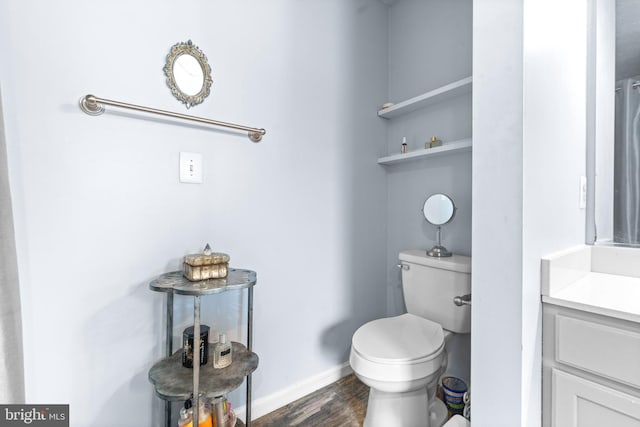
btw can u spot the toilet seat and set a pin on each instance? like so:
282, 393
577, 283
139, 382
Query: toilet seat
397, 349
398, 340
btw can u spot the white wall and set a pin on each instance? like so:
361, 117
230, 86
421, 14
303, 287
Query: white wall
604, 58
429, 46
496, 317
529, 153
554, 160
99, 211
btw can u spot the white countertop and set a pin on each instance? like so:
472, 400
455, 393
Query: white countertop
605, 293
601, 293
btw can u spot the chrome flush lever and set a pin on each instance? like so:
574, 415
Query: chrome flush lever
403, 266
462, 300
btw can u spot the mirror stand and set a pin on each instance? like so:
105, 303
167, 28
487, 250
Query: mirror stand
438, 210
438, 250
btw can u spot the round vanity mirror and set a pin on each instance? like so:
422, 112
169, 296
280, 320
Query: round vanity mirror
188, 73
439, 209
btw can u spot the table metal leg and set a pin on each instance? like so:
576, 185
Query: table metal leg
196, 360
249, 347
168, 351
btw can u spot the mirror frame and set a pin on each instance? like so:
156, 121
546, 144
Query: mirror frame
188, 48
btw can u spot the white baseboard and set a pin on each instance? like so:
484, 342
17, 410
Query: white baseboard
270, 403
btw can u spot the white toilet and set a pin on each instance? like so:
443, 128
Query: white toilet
402, 358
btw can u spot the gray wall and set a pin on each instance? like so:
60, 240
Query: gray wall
429, 46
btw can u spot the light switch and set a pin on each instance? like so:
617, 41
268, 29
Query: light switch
191, 168
583, 192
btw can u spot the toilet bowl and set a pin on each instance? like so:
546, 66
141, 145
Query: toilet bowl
398, 351
457, 421
402, 358
403, 372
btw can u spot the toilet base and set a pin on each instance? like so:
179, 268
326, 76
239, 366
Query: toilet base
410, 409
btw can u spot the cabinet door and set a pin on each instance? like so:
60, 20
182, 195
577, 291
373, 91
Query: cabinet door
582, 403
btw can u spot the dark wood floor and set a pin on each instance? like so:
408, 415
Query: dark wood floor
341, 404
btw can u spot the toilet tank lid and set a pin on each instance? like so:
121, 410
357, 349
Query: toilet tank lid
459, 263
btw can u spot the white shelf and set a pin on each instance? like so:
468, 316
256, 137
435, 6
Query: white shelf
446, 148
432, 97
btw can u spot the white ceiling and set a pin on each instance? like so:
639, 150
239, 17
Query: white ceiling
627, 38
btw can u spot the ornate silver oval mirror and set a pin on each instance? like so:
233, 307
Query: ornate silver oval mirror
438, 210
188, 73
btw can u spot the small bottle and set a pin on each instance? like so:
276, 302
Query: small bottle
188, 345
204, 415
185, 418
220, 413
222, 353
403, 147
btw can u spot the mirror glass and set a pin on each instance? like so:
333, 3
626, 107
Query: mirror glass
616, 198
188, 73
626, 157
438, 209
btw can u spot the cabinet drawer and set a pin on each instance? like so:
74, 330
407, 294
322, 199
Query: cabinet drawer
605, 350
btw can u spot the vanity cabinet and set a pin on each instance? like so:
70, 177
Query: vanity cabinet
174, 382
591, 369
424, 100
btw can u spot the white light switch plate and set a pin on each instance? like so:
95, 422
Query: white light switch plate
583, 192
191, 168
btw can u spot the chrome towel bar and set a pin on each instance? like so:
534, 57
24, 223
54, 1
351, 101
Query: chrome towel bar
94, 106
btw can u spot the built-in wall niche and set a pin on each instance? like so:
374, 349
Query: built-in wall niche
424, 100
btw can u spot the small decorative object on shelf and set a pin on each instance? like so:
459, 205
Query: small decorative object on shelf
435, 142
222, 353
403, 146
204, 414
207, 265
387, 105
221, 411
187, 346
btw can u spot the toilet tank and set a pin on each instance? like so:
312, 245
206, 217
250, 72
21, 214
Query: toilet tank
429, 285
